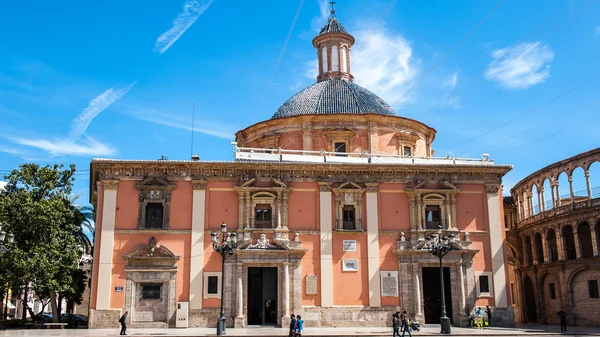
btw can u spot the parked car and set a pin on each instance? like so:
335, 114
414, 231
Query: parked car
77, 319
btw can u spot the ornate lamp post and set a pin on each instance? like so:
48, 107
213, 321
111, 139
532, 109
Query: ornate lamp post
9, 239
440, 246
228, 244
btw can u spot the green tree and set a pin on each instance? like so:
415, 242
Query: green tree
46, 250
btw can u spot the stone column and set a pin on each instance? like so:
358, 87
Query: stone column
326, 229
546, 256
417, 290
106, 243
594, 240
539, 197
278, 205
239, 318
373, 246
552, 188
461, 288
587, 182
197, 244
571, 189
558, 202
533, 248
542, 200
496, 244
284, 212
453, 210
525, 252
560, 245
241, 208
286, 289
577, 243
412, 215
307, 132
248, 209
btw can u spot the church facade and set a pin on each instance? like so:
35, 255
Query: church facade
332, 200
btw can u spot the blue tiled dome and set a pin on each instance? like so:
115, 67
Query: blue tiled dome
334, 96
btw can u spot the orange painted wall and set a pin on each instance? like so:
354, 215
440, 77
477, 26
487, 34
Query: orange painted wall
319, 141
387, 142
394, 210
291, 140
97, 242
212, 263
350, 288
360, 142
471, 209
127, 205
311, 265
388, 262
179, 244
222, 205
181, 205
302, 206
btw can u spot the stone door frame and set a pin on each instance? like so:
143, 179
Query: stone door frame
168, 279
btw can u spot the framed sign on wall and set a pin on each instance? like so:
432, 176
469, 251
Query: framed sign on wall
349, 245
350, 265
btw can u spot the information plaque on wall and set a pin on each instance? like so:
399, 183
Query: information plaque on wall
311, 284
349, 245
389, 283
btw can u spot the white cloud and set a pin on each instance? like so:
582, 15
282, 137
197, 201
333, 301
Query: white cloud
206, 127
192, 9
453, 102
11, 150
96, 106
2, 185
319, 21
525, 66
453, 80
56, 147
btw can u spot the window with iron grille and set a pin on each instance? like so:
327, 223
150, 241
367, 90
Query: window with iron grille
154, 215
151, 291
263, 217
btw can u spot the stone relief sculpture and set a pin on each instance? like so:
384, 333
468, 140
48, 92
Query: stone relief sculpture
262, 243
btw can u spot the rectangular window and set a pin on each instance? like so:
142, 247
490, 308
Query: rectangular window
263, 217
505, 221
349, 221
432, 216
407, 151
213, 285
593, 288
552, 290
151, 291
484, 284
154, 215
340, 148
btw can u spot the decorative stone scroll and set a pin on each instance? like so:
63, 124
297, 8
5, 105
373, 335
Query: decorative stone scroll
262, 243
389, 283
311, 284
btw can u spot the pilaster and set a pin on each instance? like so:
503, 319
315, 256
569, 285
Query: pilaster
497, 247
197, 244
326, 231
373, 246
107, 239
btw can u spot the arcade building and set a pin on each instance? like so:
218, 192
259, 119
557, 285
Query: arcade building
331, 199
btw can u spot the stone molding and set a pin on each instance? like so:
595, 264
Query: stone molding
110, 184
199, 184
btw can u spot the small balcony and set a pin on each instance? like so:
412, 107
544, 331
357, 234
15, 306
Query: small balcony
154, 223
349, 225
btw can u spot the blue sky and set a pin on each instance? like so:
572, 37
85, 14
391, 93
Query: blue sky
117, 79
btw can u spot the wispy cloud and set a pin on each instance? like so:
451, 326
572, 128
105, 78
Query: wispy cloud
319, 21
56, 147
11, 150
453, 80
210, 128
192, 9
525, 66
96, 106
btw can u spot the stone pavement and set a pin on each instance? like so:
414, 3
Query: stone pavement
432, 330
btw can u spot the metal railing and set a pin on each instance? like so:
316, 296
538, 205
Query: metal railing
578, 194
154, 223
579, 205
263, 223
349, 225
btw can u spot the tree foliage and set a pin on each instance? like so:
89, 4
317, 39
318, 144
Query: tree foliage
48, 229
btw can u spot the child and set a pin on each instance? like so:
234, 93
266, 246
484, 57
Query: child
293, 326
299, 326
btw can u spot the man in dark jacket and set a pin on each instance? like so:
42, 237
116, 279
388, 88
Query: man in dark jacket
123, 321
293, 326
563, 320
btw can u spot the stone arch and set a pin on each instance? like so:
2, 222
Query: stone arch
569, 242
535, 199
579, 184
593, 169
580, 301
529, 250
539, 247
547, 193
563, 193
529, 300
525, 202
551, 245
552, 297
584, 235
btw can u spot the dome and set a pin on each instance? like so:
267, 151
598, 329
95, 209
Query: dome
333, 26
334, 96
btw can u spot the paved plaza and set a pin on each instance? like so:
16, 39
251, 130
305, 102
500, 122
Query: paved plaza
522, 330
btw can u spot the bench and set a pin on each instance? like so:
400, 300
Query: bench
60, 325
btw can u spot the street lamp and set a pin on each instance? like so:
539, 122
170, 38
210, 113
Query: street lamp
228, 244
9, 239
440, 246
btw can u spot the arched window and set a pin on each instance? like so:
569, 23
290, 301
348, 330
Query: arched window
324, 59
335, 59
569, 242
530, 307
552, 247
529, 251
539, 249
598, 236
585, 239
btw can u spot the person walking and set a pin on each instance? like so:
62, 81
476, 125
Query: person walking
123, 321
406, 324
401, 318
479, 317
396, 325
299, 326
488, 311
293, 326
563, 320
